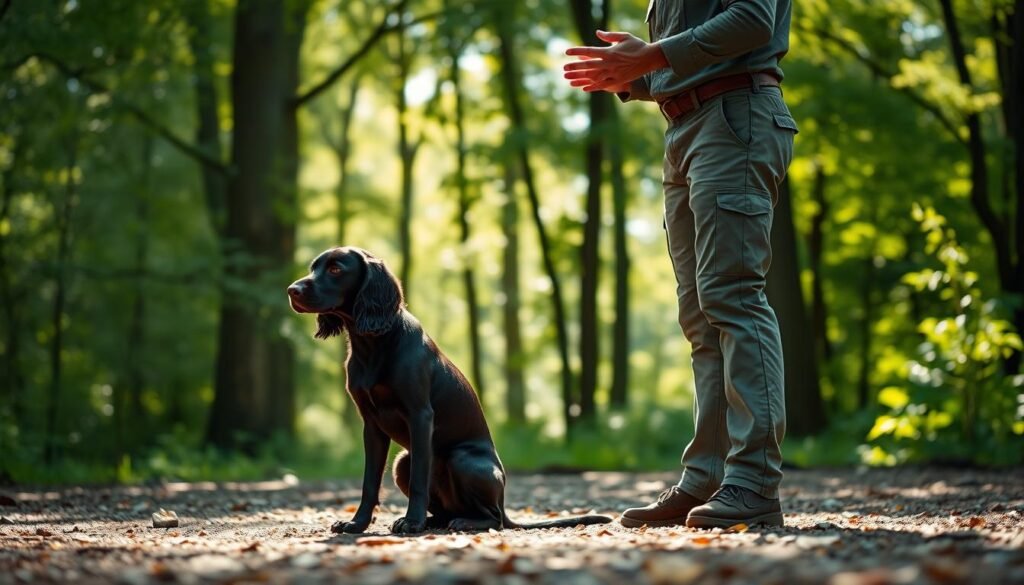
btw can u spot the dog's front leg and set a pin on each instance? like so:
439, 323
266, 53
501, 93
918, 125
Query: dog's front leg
421, 433
375, 449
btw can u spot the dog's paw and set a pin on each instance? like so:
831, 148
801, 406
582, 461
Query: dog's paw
408, 526
343, 527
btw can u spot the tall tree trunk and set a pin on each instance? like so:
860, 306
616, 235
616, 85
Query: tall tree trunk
254, 393
590, 262
62, 214
207, 102
12, 378
511, 83
1011, 271
407, 150
1013, 98
342, 152
864, 394
468, 278
515, 393
804, 407
815, 249
620, 332
130, 411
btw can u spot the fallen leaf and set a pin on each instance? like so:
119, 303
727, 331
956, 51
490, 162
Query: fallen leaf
379, 541
739, 528
43, 532
239, 506
976, 522
252, 547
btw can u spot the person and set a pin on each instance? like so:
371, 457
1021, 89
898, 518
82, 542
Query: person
713, 68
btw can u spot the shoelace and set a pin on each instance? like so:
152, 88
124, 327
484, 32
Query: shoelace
728, 494
667, 494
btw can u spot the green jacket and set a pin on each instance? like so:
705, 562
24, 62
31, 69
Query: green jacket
707, 39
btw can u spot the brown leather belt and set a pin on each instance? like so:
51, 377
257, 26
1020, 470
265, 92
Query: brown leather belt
683, 103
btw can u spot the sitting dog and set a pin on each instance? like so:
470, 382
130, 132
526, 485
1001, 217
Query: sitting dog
407, 391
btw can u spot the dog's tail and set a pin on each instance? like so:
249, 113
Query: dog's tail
570, 522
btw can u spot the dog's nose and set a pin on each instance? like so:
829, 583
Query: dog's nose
294, 290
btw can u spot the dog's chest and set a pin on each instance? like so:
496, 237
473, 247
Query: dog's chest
381, 403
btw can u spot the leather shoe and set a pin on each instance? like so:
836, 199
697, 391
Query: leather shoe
732, 505
670, 510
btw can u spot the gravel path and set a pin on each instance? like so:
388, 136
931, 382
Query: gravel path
843, 527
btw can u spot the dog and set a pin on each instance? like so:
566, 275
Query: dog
409, 392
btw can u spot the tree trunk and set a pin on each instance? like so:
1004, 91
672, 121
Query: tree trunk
254, 393
407, 150
130, 411
815, 249
62, 214
515, 394
12, 378
468, 278
590, 262
804, 407
864, 394
208, 122
511, 83
620, 332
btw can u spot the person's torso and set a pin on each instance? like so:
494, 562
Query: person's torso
666, 18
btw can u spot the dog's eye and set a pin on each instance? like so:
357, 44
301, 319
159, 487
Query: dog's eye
334, 269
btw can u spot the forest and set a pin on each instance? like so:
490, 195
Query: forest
168, 167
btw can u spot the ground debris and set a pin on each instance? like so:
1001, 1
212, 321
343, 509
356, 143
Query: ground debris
843, 528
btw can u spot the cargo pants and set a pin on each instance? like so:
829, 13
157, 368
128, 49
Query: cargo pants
723, 165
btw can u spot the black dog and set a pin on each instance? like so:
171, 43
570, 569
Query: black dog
407, 391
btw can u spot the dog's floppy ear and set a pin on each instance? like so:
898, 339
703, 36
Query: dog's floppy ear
328, 325
379, 300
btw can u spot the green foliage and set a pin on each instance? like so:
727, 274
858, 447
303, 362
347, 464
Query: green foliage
955, 402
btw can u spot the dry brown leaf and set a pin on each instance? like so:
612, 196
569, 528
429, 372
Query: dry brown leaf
976, 522
351, 508
252, 547
701, 541
739, 528
379, 541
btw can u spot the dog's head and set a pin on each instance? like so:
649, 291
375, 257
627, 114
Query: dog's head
348, 287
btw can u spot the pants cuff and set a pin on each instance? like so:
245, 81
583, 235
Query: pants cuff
701, 492
757, 486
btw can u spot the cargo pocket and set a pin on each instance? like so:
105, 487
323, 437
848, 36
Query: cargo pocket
743, 223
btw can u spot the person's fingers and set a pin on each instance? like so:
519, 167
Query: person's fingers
613, 37
580, 65
581, 82
586, 51
581, 74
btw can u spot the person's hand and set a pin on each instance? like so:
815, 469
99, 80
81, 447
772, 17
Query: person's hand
612, 68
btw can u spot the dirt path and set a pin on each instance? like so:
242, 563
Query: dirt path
876, 527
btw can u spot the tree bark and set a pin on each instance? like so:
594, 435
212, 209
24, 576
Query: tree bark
465, 203
815, 248
12, 378
254, 392
62, 214
515, 393
590, 262
407, 150
867, 294
208, 122
620, 332
511, 83
135, 380
804, 407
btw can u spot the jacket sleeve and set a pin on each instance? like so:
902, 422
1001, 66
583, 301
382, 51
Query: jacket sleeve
639, 89
743, 26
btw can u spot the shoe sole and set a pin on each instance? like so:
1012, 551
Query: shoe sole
634, 523
771, 519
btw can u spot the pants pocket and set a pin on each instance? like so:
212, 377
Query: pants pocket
736, 117
743, 223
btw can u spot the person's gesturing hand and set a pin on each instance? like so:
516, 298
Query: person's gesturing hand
611, 68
